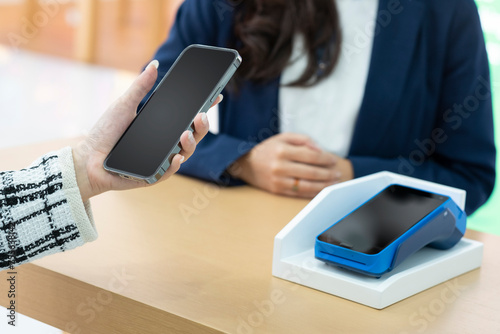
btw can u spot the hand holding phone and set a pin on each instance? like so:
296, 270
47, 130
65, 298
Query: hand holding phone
191, 85
89, 153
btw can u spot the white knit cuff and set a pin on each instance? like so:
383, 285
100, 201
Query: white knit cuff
82, 212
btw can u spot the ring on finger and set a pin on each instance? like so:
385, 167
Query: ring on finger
295, 186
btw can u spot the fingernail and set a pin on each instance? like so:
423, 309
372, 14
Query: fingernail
221, 97
154, 63
191, 137
204, 119
182, 159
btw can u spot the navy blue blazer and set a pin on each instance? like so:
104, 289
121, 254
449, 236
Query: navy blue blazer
426, 111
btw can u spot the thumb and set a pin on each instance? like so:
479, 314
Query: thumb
142, 84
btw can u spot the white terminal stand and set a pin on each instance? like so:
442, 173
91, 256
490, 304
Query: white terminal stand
294, 260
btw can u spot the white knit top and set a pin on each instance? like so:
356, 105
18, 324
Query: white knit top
327, 111
41, 210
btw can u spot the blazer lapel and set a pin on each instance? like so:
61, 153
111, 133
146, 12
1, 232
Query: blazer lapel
392, 53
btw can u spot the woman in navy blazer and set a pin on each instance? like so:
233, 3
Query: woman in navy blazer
426, 110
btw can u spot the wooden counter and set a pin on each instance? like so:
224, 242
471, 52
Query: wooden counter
190, 257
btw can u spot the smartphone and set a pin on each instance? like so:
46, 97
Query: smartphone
146, 148
381, 220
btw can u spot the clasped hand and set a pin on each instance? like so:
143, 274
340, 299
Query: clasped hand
291, 164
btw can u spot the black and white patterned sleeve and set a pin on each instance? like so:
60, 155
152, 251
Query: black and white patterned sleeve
41, 211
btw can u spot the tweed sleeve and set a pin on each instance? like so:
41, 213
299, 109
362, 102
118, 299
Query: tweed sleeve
41, 210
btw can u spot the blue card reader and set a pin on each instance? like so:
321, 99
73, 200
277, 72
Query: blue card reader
392, 225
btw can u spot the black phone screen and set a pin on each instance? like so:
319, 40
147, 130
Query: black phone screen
170, 110
381, 220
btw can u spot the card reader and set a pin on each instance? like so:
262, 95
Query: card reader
392, 225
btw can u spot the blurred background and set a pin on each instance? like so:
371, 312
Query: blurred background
117, 33
62, 62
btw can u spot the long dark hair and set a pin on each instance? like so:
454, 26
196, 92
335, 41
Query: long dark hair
264, 32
